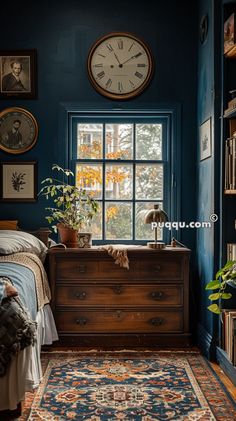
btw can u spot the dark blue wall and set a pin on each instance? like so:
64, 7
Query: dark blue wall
62, 32
205, 238
209, 170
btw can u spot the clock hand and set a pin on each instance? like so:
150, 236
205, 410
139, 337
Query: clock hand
135, 56
117, 59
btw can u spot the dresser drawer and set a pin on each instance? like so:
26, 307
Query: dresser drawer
108, 269
76, 268
119, 294
115, 321
160, 269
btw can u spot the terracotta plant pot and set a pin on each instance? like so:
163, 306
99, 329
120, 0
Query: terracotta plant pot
68, 236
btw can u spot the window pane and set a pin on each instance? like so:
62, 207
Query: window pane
119, 181
144, 231
89, 141
118, 221
89, 177
119, 141
149, 141
149, 181
96, 224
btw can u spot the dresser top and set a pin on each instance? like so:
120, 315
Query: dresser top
131, 249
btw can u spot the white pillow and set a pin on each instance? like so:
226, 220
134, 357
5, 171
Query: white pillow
18, 241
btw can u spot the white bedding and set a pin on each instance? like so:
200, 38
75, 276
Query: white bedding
21, 259
25, 373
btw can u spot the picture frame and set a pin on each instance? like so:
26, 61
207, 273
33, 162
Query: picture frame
19, 181
205, 139
18, 130
18, 74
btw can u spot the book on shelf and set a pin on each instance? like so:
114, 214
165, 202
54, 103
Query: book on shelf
229, 33
229, 333
234, 341
230, 163
231, 251
232, 103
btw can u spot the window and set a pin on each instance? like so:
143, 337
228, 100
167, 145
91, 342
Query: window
124, 162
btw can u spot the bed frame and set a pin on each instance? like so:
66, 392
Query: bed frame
43, 235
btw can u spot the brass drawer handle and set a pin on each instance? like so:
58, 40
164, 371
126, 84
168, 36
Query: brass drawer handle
118, 314
156, 321
117, 289
81, 321
81, 295
157, 295
81, 268
156, 268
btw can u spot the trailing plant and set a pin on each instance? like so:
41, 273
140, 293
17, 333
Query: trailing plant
73, 206
225, 276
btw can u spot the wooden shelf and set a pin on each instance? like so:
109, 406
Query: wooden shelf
230, 192
230, 113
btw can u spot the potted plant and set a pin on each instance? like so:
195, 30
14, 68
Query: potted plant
73, 207
225, 276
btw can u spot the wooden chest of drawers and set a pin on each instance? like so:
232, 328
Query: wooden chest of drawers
96, 302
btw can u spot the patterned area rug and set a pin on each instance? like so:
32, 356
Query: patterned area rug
129, 386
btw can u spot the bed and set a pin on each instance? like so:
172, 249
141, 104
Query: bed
22, 257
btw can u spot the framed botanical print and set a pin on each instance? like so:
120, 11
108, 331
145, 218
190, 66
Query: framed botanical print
18, 181
18, 130
18, 74
205, 139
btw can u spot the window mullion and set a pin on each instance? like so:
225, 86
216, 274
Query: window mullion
104, 182
134, 181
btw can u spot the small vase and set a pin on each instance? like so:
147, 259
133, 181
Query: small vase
68, 236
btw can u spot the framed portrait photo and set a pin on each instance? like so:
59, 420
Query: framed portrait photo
205, 139
18, 74
18, 130
18, 181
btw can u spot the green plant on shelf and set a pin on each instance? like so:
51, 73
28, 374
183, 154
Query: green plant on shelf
224, 277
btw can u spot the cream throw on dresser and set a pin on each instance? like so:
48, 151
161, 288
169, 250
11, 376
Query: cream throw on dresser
119, 253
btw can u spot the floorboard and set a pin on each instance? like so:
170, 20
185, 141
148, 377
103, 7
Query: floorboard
225, 380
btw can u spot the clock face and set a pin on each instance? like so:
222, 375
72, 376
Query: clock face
120, 65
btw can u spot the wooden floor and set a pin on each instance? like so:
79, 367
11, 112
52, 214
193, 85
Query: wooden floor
225, 380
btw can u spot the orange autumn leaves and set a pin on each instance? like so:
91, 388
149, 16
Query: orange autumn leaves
90, 176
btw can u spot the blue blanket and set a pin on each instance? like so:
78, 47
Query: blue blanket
23, 280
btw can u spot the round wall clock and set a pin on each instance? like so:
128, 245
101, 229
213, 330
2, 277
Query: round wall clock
120, 65
18, 130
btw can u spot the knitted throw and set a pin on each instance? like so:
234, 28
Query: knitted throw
17, 330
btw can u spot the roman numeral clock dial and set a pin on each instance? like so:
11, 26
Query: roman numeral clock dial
120, 65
